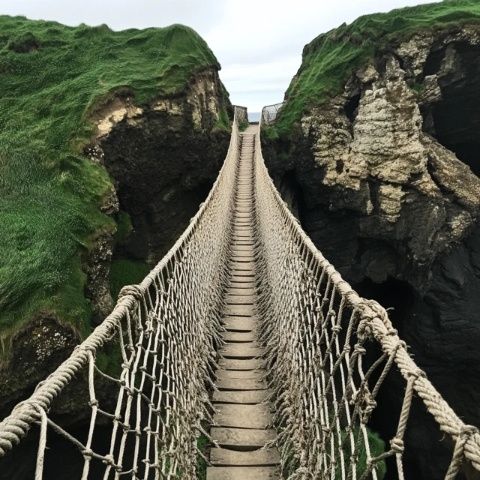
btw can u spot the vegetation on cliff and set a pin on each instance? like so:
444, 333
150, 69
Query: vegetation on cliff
52, 79
330, 59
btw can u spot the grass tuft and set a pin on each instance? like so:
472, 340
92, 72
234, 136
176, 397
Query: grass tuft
331, 58
52, 79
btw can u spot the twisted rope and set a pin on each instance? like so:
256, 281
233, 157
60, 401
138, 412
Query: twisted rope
317, 330
162, 334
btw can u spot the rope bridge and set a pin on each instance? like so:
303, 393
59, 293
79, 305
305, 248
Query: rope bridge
147, 373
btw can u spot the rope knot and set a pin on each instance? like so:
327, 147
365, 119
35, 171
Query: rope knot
87, 453
417, 373
459, 452
397, 445
359, 349
134, 290
369, 310
366, 403
467, 431
108, 459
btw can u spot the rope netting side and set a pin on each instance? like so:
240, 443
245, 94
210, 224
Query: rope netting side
329, 352
270, 113
145, 373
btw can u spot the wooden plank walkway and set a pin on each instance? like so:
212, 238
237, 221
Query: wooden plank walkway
242, 423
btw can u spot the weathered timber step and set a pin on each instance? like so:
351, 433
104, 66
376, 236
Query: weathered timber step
241, 384
240, 363
237, 300
241, 350
239, 336
240, 324
241, 380
244, 397
242, 416
242, 439
241, 423
243, 473
242, 283
261, 457
258, 374
239, 292
241, 300
239, 310
239, 278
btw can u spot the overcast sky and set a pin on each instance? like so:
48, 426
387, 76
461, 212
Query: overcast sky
258, 42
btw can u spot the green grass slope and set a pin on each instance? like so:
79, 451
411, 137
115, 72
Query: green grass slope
330, 59
51, 79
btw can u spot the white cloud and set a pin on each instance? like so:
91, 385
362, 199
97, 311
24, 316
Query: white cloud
258, 42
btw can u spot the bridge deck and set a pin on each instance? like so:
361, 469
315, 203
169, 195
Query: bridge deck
242, 420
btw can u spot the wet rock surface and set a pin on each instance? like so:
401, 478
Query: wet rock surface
384, 178
39, 347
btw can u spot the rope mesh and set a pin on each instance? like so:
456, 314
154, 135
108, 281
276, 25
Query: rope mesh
164, 335
328, 354
270, 113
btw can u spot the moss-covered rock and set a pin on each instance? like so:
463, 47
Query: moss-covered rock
331, 58
68, 94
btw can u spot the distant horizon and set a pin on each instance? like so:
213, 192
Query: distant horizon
259, 53
254, 116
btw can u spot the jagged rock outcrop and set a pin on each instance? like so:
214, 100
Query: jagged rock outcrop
384, 177
163, 160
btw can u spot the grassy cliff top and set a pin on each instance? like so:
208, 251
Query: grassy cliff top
51, 79
330, 59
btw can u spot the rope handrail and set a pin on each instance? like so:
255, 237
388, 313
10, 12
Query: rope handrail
318, 333
140, 316
372, 319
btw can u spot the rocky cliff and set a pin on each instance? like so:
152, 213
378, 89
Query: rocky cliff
382, 166
109, 143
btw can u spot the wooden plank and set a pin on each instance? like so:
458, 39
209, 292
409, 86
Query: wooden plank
240, 336
240, 299
222, 373
243, 256
247, 438
240, 324
242, 263
246, 397
240, 269
242, 292
239, 310
234, 283
240, 364
243, 473
242, 416
241, 384
241, 350
261, 457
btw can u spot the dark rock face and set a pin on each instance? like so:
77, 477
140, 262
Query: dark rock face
385, 180
40, 347
164, 161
